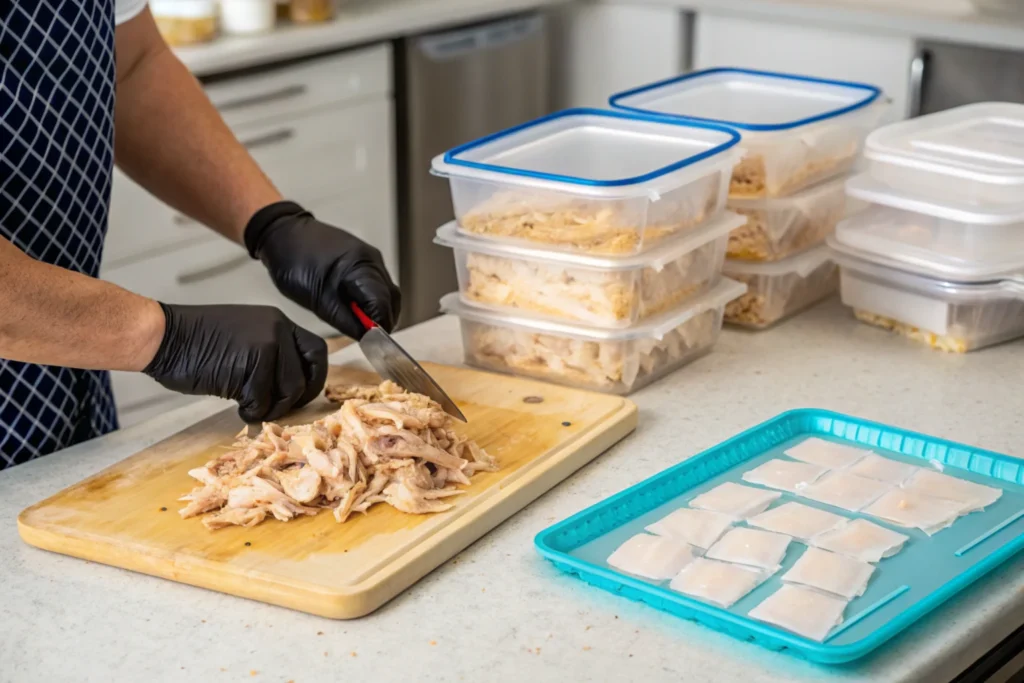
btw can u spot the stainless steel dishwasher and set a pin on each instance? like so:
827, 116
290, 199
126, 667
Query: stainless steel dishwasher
450, 88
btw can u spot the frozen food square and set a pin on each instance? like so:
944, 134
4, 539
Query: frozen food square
841, 575
938, 485
874, 466
803, 611
915, 511
652, 557
720, 583
735, 499
863, 540
797, 520
834, 456
784, 475
699, 528
846, 491
752, 547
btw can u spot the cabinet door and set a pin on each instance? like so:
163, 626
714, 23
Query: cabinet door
756, 43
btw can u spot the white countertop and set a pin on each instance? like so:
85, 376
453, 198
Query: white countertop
358, 22
498, 612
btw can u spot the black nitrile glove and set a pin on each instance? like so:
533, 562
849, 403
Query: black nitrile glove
322, 268
251, 354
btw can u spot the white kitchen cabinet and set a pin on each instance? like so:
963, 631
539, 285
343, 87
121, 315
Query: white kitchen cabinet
757, 43
599, 49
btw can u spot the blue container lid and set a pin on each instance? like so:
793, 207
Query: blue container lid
754, 101
589, 148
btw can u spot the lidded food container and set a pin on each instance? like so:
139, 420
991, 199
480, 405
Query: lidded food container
949, 316
778, 228
797, 130
615, 361
970, 154
950, 239
778, 290
590, 181
241, 17
607, 291
185, 22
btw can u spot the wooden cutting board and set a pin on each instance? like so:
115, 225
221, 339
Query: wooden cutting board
126, 515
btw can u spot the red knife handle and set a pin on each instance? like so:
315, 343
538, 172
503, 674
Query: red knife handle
363, 318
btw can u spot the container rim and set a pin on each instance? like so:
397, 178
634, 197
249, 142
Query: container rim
872, 94
451, 156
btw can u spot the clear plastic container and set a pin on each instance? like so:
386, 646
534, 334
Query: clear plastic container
973, 153
954, 317
776, 291
244, 17
604, 291
797, 130
617, 361
311, 11
778, 228
590, 181
185, 22
952, 240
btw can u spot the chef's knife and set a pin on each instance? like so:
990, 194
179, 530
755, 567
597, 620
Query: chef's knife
393, 362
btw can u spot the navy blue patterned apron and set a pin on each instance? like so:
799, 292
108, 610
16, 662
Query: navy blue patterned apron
57, 80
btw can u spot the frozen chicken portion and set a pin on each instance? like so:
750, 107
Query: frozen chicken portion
591, 225
915, 511
834, 456
383, 445
974, 496
863, 540
735, 500
797, 520
875, 466
784, 475
720, 583
803, 611
751, 547
700, 528
846, 491
613, 365
600, 297
652, 557
837, 574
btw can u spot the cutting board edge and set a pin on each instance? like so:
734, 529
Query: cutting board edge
363, 598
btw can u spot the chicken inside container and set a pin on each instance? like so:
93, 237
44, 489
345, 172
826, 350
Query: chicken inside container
383, 445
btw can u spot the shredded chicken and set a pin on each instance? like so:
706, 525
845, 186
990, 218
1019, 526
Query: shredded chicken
383, 445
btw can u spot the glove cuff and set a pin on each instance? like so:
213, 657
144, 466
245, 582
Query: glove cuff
262, 221
161, 351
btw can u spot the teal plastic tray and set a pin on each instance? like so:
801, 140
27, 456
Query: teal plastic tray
904, 588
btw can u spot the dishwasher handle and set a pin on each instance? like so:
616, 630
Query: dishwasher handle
452, 45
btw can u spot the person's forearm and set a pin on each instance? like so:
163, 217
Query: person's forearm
52, 316
171, 140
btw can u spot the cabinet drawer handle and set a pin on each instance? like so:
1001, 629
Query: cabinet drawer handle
284, 93
234, 263
273, 138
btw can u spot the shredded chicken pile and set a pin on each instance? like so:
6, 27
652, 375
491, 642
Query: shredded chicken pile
383, 445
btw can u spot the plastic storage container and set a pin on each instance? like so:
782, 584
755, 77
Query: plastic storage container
776, 291
590, 181
615, 361
973, 153
240, 17
797, 130
185, 22
956, 317
311, 11
777, 228
953, 240
595, 290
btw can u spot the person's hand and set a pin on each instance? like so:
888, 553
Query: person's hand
251, 354
322, 268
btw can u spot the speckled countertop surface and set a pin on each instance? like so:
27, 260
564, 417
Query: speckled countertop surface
497, 612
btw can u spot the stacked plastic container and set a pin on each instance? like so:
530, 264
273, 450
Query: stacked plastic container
589, 246
800, 138
939, 254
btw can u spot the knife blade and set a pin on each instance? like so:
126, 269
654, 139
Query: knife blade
393, 362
